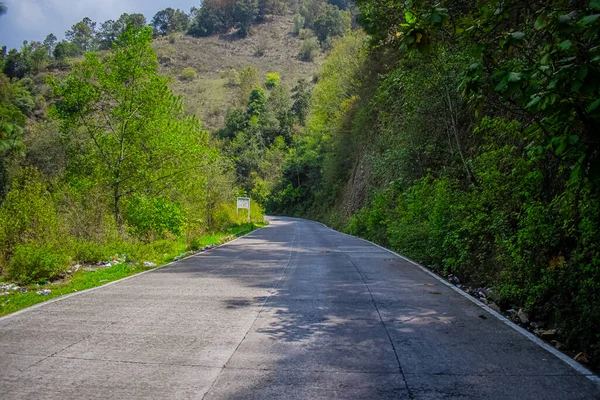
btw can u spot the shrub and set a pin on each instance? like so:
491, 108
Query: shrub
189, 74
232, 77
34, 262
27, 213
305, 34
272, 80
149, 217
309, 49
298, 24
89, 252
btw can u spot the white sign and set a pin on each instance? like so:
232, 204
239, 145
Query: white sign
243, 202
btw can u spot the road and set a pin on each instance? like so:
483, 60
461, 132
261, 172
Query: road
291, 311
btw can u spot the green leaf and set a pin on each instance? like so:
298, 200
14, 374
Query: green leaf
501, 85
534, 101
410, 18
594, 105
540, 22
517, 35
595, 4
590, 19
566, 45
514, 76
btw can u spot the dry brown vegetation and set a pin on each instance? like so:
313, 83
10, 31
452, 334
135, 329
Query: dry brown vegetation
271, 47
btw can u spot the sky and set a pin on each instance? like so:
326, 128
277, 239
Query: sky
35, 19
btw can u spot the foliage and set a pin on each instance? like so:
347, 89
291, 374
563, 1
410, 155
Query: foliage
298, 24
189, 74
301, 94
465, 138
249, 79
83, 35
273, 79
218, 16
110, 30
34, 262
309, 50
168, 21
27, 214
331, 23
137, 140
154, 217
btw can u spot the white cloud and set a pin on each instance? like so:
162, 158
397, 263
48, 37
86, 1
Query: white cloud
34, 19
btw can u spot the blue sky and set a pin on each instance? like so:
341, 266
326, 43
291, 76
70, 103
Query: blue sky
34, 19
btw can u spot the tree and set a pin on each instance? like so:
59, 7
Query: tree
249, 79
111, 30
83, 34
137, 139
49, 43
214, 16
244, 15
64, 49
256, 103
3, 8
168, 21
16, 65
301, 97
330, 23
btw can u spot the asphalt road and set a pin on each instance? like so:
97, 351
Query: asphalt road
292, 311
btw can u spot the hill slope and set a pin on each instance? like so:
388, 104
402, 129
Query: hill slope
270, 48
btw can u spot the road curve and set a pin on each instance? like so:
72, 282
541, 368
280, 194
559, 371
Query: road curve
292, 311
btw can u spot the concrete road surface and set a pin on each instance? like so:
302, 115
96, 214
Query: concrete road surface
292, 311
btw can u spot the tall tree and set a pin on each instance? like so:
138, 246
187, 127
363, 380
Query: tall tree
169, 20
83, 34
138, 140
3, 8
49, 43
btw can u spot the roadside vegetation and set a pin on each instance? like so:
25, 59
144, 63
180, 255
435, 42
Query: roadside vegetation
118, 266
466, 138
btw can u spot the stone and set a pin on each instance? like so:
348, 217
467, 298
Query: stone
522, 316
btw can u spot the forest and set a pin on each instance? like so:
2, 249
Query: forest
461, 134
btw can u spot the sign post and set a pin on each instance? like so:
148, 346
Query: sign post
243, 202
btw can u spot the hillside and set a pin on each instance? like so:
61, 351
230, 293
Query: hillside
270, 48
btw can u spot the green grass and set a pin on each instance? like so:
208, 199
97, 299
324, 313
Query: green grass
82, 280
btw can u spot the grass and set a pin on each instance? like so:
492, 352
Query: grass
85, 279
271, 47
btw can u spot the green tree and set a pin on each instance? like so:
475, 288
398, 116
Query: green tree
301, 100
168, 21
83, 34
249, 79
137, 139
331, 23
298, 24
244, 15
309, 49
3, 9
214, 16
50, 43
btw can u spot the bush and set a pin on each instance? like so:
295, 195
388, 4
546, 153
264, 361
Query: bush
298, 24
154, 217
272, 80
189, 74
34, 262
27, 213
232, 77
309, 50
83, 251
305, 34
